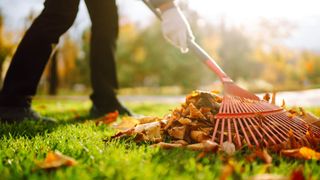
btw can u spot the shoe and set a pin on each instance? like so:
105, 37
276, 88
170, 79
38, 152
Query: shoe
18, 114
97, 112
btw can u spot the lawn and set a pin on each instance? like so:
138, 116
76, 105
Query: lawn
22, 145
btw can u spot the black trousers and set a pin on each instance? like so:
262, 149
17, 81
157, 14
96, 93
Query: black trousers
33, 52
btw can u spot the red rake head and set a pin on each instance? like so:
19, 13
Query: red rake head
256, 123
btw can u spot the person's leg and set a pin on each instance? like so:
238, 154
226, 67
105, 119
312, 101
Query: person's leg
33, 52
104, 18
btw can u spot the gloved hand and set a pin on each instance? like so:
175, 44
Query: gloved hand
176, 28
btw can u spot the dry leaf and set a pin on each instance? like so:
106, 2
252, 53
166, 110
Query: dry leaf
148, 119
302, 153
185, 121
127, 123
266, 97
264, 156
228, 147
309, 117
206, 146
195, 113
199, 136
164, 145
151, 130
182, 142
55, 160
108, 118
177, 132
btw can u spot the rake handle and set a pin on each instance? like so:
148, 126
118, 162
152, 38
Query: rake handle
198, 51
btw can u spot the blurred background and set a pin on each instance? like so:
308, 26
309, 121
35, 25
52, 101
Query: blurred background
263, 45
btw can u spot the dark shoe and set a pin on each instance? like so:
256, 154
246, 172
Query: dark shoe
18, 114
97, 112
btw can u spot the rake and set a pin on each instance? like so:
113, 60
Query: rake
243, 118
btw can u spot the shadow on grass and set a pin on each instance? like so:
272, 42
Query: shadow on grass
30, 128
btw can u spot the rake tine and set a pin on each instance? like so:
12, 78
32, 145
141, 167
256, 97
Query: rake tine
229, 131
222, 132
245, 134
237, 133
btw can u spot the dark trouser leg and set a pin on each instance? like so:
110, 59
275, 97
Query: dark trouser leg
29, 61
104, 17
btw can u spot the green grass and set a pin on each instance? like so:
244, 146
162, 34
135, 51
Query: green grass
77, 136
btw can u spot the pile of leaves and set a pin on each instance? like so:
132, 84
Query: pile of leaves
191, 126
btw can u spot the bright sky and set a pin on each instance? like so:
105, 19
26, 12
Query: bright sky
305, 13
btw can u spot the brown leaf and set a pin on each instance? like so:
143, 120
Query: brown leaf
177, 132
199, 136
266, 97
126, 123
185, 121
55, 160
182, 142
302, 153
292, 142
108, 118
264, 156
151, 131
195, 113
309, 117
164, 145
148, 119
206, 146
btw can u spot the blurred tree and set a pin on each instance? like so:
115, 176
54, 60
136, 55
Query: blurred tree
310, 63
235, 52
6, 46
67, 61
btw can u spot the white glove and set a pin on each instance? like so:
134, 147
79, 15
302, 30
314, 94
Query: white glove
176, 28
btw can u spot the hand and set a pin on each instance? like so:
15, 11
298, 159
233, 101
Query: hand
176, 28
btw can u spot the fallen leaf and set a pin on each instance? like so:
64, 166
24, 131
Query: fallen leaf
309, 117
177, 132
182, 142
55, 160
302, 153
266, 97
195, 113
148, 119
164, 145
229, 148
185, 121
126, 123
108, 118
199, 136
151, 130
261, 154
206, 146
